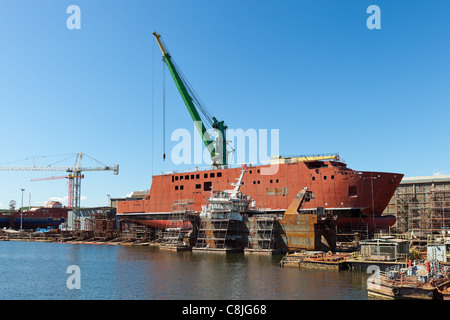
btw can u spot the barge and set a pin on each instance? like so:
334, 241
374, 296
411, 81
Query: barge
419, 280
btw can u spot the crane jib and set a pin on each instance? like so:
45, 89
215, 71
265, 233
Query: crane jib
216, 148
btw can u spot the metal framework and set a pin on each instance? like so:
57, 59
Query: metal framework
422, 207
181, 225
384, 249
262, 233
220, 235
217, 147
75, 174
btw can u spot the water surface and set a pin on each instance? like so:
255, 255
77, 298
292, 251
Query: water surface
36, 270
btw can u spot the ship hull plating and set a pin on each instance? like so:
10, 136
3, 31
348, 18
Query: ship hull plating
353, 196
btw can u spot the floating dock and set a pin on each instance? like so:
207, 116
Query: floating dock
365, 265
175, 248
217, 250
316, 260
262, 251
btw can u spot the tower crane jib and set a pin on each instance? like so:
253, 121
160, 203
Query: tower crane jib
74, 177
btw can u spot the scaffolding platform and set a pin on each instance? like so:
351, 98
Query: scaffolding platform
263, 231
422, 206
219, 235
182, 226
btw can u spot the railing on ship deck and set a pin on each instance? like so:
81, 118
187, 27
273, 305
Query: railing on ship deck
393, 276
238, 165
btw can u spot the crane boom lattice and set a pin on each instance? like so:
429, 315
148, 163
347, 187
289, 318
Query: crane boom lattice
74, 177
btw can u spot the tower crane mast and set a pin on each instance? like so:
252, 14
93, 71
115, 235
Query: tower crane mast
71, 178
75, 175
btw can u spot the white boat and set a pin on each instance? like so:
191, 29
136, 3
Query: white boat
228, 204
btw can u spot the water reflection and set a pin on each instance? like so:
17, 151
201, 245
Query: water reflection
195, 275
38, 271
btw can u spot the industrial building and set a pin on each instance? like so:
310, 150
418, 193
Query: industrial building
422, 205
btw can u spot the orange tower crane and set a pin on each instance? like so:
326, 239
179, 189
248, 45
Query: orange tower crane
71, 178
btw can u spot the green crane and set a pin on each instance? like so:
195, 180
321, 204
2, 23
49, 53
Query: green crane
217, 147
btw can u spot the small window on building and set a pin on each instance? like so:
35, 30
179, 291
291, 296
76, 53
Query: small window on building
258, 171
176, 187
352, 191
259, 181
198, 186
250, 171
324, 177
192, 177
176, 178
186, 177
181, 177
207, 186
219, 174
173, 178
277, 180
271, 181
254, 182
211, 175
332, 177
314, 178
197, 176
181, 187
205, 175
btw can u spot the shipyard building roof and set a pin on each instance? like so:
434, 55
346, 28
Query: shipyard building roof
426, 179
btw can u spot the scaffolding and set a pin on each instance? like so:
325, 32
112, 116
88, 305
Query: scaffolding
222, 228
424, 208
140, 233
385, 249
103, 225
263, 234
181, 226
352, 233
220, 235
131, 231
82, 230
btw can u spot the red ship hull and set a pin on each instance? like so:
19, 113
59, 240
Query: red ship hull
349, 194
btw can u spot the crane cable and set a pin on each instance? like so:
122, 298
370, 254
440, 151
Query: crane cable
153, 101
207, 117
164, 111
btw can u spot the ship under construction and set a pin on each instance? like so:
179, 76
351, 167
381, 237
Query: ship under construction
356, 198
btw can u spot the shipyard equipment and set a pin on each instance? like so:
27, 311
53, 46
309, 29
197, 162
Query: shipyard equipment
355, 198
216, 147
308, 230
71, 178
75, 175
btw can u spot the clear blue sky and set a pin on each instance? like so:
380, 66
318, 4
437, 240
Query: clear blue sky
312, 69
